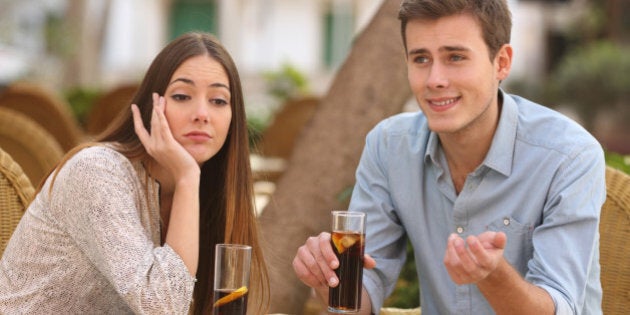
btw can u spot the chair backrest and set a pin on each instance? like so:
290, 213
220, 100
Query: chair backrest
614, 247
29, 144
400, 311
108, 106
16, 192
279, 138
48, 109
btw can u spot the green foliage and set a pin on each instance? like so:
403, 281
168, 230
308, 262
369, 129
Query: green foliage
618, 161
407, 291
591, 78
81, 101
255, 127
286, 83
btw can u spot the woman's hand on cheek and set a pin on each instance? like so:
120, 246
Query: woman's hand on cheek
160, 143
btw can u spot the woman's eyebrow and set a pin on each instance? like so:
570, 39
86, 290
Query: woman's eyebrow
191, 82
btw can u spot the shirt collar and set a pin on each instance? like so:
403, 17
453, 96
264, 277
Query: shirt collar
501, 153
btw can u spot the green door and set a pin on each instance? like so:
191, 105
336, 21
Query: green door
193, 15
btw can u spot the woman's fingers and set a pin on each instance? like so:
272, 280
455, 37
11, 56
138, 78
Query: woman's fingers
138, 126
158, 119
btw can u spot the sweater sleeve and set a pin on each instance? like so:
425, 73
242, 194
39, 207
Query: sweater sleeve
97, 198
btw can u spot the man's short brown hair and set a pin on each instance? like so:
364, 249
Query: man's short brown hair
493, 15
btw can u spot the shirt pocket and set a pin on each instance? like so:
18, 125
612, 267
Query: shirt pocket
519, 249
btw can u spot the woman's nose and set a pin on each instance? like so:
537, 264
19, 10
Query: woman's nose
201, 113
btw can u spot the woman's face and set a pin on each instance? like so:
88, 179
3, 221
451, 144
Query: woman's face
198, 106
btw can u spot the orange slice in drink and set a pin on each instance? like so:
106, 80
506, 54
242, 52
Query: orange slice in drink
344, 242
231, 297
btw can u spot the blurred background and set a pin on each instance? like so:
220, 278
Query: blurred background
571, 55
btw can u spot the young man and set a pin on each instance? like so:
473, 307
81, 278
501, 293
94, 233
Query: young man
500, 197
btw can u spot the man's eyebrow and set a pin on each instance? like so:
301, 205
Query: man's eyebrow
419, 51
454, 48
191, 82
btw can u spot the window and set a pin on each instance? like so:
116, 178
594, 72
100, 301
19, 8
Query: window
338, 33
193, 15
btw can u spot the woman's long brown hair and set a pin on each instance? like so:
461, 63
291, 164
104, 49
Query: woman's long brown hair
226, 189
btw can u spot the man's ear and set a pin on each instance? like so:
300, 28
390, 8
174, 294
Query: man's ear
503, 61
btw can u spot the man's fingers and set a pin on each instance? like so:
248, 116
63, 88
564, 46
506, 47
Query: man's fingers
322, 254
325, 244
307, 269
368, 262
500, 239
480, 254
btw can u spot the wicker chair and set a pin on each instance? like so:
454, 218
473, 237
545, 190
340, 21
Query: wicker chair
400, 311
29, 144
614, 248
277, 141
280, 137
108, 106
46, 108
16, 193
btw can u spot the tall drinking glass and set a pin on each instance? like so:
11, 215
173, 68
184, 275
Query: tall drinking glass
348, 241
231, 279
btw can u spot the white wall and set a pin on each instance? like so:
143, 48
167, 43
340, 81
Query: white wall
136, 33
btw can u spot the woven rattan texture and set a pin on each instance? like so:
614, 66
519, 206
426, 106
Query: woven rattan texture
30, 145
48, 109
16, 193
614, 245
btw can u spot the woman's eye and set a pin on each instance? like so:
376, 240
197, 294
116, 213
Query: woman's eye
218, 101
180, 97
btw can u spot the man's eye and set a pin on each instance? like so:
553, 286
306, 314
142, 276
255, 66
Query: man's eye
420, 59
457, 58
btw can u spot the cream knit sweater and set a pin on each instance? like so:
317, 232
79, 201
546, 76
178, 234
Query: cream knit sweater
93, 245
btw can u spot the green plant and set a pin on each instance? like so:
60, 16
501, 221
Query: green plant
618, 161
593, 78
407, 291
255, 127
286, 83
81, 100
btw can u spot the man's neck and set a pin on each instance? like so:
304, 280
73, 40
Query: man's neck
466, 150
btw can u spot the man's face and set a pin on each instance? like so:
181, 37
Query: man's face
451, 74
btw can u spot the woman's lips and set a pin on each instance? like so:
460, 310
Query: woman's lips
198, 136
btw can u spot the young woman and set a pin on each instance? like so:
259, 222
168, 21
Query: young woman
128, 224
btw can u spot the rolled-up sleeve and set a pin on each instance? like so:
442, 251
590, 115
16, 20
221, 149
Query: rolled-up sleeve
567, 243
385, 236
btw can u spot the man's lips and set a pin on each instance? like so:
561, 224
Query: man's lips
443, 103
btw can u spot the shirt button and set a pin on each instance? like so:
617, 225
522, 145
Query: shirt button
506, 221
460, 230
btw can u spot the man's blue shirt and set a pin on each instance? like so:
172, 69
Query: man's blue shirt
542, 183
